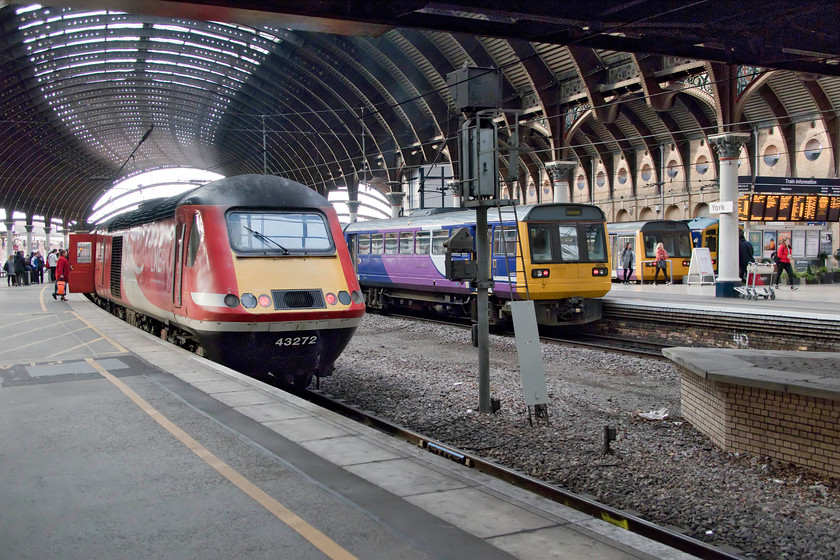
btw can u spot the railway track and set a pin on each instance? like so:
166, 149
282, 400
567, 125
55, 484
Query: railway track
591, 507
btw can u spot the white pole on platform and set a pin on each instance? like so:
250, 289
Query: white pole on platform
728, 146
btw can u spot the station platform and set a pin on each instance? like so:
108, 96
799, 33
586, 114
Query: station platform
811, 301
115, 444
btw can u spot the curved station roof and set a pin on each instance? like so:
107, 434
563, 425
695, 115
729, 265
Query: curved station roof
92, 92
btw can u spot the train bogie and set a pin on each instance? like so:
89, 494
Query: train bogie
252, 271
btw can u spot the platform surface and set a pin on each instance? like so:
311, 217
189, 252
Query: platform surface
115, 444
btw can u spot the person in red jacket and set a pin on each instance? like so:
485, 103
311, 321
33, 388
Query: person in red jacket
62, 271
783, 255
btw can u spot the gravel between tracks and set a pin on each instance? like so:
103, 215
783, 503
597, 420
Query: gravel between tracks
423, 376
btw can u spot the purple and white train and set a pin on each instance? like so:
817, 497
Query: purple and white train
554, 254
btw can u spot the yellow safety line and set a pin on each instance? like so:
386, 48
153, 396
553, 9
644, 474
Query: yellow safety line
113, 342
307, 531
85, 344
36, 342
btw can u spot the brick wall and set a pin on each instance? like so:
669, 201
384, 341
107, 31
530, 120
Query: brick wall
789, 427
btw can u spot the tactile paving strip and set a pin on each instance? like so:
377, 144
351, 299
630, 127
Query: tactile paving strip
73, 368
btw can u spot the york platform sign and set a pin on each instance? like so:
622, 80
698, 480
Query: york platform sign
721, 207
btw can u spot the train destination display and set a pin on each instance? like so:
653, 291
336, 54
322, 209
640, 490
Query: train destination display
789, 207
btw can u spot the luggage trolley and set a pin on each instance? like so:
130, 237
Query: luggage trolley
754, 291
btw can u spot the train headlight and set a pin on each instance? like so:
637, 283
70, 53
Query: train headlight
249, 301
357, 297
686, 263
231, 301
331, 299
540, 273
344, 298
265, 300
600, 271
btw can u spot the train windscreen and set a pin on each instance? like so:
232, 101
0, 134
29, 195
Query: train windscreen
555, 243
676, 243
279, 233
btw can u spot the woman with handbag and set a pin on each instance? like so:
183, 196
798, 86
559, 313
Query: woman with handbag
661, 264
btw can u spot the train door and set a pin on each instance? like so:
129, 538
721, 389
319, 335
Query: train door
353, 247
503, 260
82, 265
619, 242
178, 269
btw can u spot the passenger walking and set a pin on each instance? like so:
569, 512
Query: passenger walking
627, 259
783, 256
746, 255
62, 273
661, 264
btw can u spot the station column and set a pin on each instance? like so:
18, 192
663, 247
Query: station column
728, 146
353, 209
561, 172
396, 199
47, 230
10, 237
29, 228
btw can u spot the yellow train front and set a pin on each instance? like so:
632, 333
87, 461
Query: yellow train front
643, 238
562, 262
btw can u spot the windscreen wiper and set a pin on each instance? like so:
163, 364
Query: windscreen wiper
266, 239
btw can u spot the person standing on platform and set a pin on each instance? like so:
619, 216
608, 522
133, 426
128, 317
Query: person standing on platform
20, 268
9, 267
746, 255
62, 272
52, 261
783, 255
661, 264
627, 259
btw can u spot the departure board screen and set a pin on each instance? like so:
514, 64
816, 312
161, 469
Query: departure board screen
771, 207
789, 207
744, 208
834, 209
810, 208
797, 212
822, 209
757, 207
785, 201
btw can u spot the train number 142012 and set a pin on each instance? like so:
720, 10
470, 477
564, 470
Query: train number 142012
297, 341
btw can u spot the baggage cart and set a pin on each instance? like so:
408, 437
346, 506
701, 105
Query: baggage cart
754, 289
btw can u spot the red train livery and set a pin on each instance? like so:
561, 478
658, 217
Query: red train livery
251, 271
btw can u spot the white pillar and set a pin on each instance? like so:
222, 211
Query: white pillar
47, 230
10, 238
28, 239
728, 146
561, 172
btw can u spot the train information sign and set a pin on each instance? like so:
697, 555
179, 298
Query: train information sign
789, 207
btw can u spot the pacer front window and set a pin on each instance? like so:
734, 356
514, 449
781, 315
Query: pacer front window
279, 233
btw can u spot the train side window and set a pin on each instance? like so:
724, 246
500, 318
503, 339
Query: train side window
364, 243
422, 242
596, 245
194, 242
540, 244
509, 247
376, 244
569, 249
406, 242
391, 243
439, 236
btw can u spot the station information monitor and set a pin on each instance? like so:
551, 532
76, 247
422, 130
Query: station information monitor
789, 208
